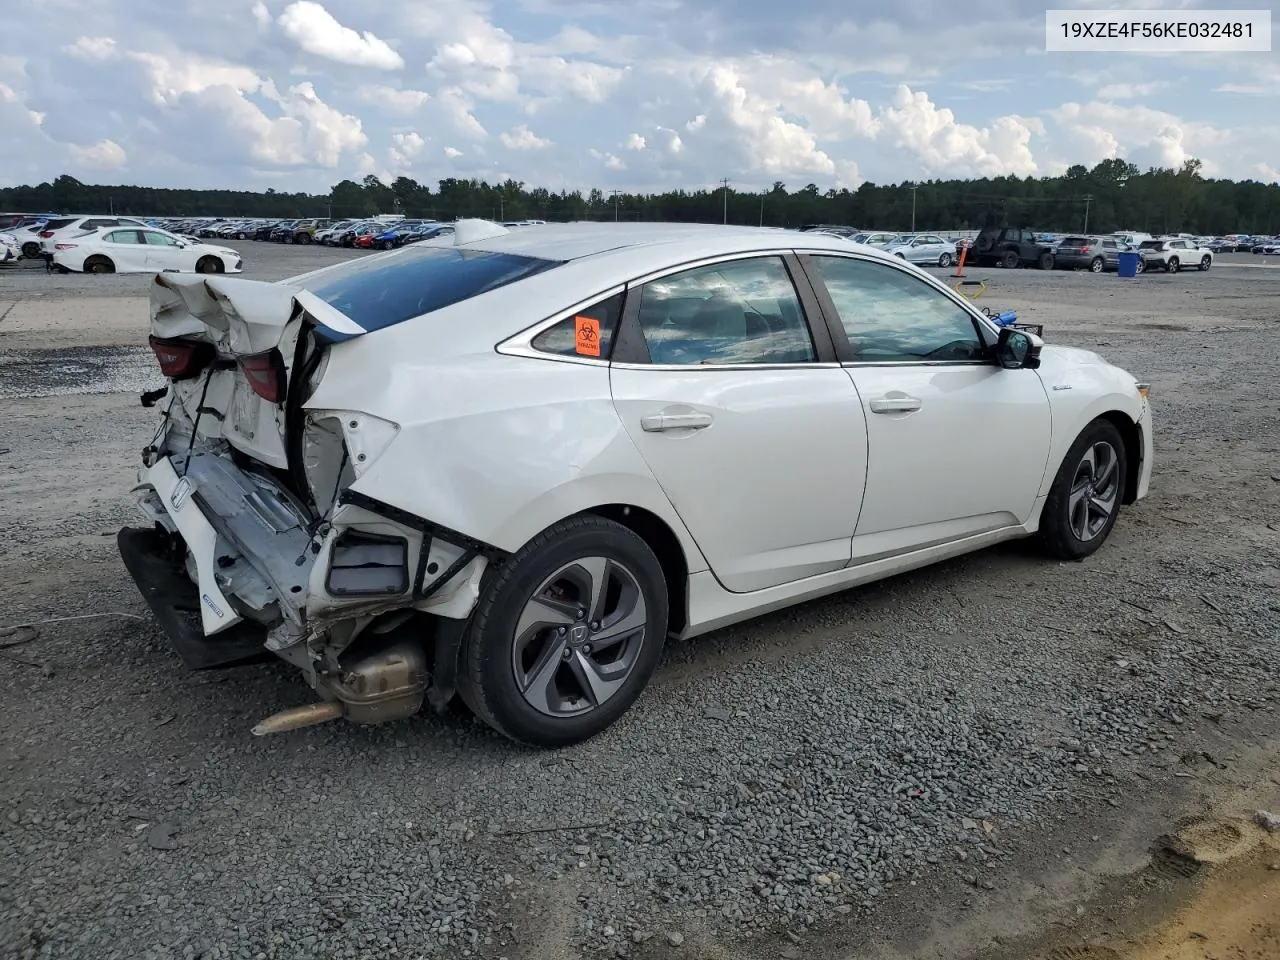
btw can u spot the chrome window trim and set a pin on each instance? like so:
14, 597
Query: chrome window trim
521, 345
688, 367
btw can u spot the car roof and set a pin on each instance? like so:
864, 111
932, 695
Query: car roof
575, 241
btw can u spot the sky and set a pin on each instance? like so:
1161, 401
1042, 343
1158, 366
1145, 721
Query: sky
637, 95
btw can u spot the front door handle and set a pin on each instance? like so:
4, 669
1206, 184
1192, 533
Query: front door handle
900, 403
660, 422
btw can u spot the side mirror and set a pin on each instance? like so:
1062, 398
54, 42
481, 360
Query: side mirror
1018, 350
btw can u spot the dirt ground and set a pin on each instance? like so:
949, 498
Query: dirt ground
1123, 711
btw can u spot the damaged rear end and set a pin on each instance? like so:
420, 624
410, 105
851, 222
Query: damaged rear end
261, 541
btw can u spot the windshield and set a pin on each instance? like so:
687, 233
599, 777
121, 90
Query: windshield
377, 292
1151, 244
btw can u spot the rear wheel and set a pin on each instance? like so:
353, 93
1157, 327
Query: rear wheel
1095, 265
99, 264
566, 633
944, 260
31, 249
1173, 266
1206, 262
1009, 260
1046, 261
210, 264
1084, 500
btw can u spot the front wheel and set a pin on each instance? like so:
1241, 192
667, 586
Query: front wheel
210, 265
1206, 262
1084, 501
566, 633
1173, 266
1046, 261
944, 260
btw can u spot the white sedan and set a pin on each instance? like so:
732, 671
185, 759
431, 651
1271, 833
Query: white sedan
509, 464
10, 248
924, 248
134, 250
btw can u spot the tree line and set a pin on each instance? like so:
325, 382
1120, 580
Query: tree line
1113, 195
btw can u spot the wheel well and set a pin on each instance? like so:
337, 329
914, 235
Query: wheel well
662, 540
1131, 434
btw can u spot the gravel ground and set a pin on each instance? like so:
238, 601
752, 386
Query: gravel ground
853, 771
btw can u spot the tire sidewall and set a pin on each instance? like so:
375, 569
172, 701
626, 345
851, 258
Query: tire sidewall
492, 634
1096, 265
1055, 521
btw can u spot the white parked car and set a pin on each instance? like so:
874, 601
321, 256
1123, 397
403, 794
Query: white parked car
1171, 255
60, 228
510, 464
880, 240
924, 248
10, 248
128, 250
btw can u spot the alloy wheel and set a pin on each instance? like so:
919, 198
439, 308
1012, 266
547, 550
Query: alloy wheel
1095, 491
579, 637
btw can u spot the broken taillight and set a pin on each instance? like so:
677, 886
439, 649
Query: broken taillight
64, 246
181, 359
265, 373
46, 234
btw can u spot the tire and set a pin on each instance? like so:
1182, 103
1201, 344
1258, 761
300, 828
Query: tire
1173, 265
31, 249
210, 264
944, 260
1096, 265
99, 264
493, 657
1069, 528
1009, 259
1206, 262
1046, 261
1142, 266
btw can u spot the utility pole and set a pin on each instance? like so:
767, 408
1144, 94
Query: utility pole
724, 182
914, 188
615, 193
501, 208
762, 208
1087, 199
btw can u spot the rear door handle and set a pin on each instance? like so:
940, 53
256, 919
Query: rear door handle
898, 404
660, 422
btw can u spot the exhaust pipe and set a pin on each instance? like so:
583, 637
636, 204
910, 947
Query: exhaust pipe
385, 682
299, 717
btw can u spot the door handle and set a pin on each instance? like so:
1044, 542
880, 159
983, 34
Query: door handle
659, 422
898, 404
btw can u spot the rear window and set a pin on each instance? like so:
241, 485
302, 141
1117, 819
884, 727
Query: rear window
1075, 242
377, 292
1151, 244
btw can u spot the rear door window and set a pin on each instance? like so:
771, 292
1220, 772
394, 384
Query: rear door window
588, 333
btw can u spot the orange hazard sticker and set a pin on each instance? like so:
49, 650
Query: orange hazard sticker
587, 336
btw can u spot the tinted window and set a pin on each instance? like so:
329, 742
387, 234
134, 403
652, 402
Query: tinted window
1075, 242
124, 236
378, 293
159, 239
589, 333
741, 311
892, 316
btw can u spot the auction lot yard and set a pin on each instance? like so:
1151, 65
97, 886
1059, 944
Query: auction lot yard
973, 760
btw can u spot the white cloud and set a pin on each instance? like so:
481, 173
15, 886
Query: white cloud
522, 138
171, 79
457, 110
1096, 130
405, 148
1249, 89
452, 152
613, 162
946, 147
315, 30
103, 155
635, 142
262, 15
92, 48
1130, 91
400, 102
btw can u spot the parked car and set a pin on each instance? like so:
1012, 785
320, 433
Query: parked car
428, 231
924, 248
10, 248
1265, 245
130, 250
304, 231
264, 231
1094, 253
881, 239
511, 490
1009, 247
1172, 255
55, 231
325, 234
283, 232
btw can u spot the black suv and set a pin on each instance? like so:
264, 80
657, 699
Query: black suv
1009, 247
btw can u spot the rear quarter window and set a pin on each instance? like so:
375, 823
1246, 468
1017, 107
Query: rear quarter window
377, 292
